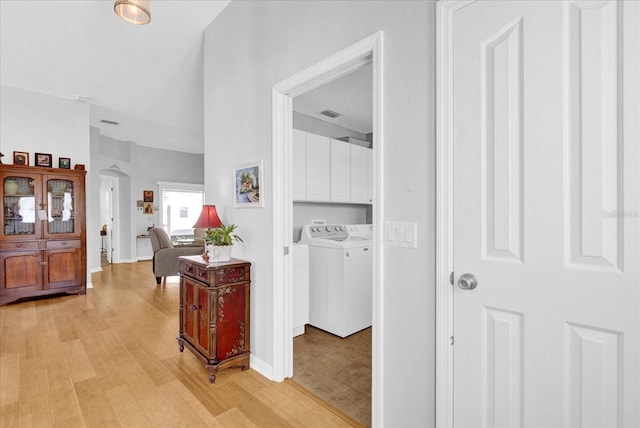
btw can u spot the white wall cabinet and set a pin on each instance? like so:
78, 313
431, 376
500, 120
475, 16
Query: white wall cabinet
329, 170
318, 171
340, 171
361, 175
299, 165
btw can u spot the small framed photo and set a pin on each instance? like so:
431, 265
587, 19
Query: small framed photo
147, 195
43, 159
64, 163
249, 185
148, 208
20, 158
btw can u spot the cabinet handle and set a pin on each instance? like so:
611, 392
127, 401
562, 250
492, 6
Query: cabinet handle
194, 307
43, 263
18, 245
202, 274
63, 243
189, 269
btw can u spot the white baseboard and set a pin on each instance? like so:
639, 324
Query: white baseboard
297, 331
140, 259
261, 367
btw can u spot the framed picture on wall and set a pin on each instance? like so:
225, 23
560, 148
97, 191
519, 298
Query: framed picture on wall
249, 185
43, 159
147, 195
148, 208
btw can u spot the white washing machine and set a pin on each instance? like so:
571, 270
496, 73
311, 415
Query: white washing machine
340, 277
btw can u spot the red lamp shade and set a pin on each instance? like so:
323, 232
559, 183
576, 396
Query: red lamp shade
208, 218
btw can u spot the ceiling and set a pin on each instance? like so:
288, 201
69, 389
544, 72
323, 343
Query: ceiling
351, 96
147, 78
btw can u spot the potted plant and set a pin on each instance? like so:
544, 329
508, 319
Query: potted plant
220, 242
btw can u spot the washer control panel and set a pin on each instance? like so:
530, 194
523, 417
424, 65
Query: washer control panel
325, 231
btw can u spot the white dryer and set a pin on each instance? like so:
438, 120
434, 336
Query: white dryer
340, 277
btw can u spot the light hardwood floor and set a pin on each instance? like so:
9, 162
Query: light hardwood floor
110, 358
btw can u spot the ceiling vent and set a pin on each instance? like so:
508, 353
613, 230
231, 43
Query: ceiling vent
331, 114
109, 122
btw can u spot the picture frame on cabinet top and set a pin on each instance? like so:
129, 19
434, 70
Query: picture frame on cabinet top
43, 159
64, 163
21, 158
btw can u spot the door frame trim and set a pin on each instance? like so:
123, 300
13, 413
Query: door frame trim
444, 210
343, 62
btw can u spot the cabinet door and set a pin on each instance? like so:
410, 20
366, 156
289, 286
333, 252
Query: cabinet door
21, 272
318, 168
232, 321
64, 213
340, 171
299, 165
21, 193
189, 324
196, 327
63, 264
204, 340
361, 175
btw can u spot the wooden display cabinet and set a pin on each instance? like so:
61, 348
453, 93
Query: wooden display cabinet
214, 312
42, 241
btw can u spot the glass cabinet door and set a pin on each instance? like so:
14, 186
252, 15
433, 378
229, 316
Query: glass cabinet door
60, 206
18, 205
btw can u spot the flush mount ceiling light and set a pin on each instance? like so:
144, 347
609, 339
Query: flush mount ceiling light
133, 11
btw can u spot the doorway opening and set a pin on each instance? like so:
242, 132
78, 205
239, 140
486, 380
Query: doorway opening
108, 198
363, 53
332, 295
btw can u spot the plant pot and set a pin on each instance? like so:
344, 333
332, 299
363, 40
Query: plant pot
219, 253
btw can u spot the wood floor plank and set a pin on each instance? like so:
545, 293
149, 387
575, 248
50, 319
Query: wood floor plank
295, 413
96, 407
9, 379
10, 415
63, 401
252, 408
77, 360
185, 402
33, 387
126, 407
234, 418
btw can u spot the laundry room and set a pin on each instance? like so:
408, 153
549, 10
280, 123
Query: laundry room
333, 241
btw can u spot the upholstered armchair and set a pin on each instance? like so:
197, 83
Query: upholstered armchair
165, 254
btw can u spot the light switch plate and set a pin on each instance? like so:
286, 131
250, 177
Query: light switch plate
401, 234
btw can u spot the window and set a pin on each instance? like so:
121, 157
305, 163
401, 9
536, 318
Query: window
180, 206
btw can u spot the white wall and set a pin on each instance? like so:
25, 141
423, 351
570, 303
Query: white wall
33, 122
254, 45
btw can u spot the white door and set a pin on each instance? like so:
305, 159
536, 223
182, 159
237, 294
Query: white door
545, 113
